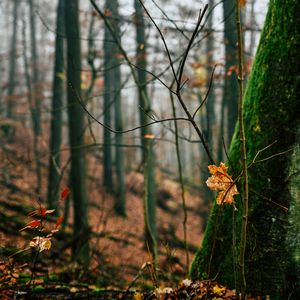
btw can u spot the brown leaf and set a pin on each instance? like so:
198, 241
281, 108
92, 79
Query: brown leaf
223, 182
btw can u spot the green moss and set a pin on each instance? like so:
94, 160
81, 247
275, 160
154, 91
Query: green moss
271, 114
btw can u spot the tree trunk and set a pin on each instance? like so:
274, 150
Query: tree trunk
36, 95
120, 198
230, 94
271, 112
56, 115
108, 99
210, 111
148, 155
12, 63
76, 130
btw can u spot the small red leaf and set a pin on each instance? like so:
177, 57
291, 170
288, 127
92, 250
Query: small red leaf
31, 224
65, 193
42, 211
32, 213
34, 223
59, 221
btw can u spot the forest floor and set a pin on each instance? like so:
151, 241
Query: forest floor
119, 258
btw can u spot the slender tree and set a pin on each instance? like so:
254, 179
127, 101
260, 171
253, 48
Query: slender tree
113, 95
271, 113
108, 96
120, 205
12, 62
35, 97
230, 94
148, 155
209, 122
57, 102
76, 129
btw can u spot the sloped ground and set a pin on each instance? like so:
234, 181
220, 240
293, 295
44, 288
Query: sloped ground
119, 257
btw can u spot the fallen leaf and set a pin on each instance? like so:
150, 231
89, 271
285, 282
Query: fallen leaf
219, 290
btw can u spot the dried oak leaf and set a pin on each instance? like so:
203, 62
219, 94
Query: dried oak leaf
222, 181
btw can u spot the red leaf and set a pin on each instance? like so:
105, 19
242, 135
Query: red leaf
59, 221
32, 213
31, 224
42, 211
65, 193
34, 223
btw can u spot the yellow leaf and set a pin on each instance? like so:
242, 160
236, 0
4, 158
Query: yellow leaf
219, 290
40, 243
221, 181
138, 296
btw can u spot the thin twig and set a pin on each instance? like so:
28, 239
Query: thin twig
243, 155
207, 92
164, 42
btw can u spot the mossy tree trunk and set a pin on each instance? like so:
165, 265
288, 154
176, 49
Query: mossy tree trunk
56, 114
271, 116
76, 130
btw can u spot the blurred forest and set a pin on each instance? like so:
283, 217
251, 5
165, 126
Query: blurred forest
111, 112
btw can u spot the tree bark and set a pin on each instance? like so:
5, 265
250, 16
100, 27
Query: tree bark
56, 114
35, 97
108, 99
148, 155
271, 116
76, 130
12, 63
230, 94
120, 198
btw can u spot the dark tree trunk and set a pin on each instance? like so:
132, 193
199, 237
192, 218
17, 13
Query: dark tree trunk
35, 97
76, 130
56, 115
113, 96
272, 110
120, 204
108, 99
230, 94
148, 155
12, 63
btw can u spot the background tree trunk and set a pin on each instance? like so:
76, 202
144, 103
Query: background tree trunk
115, 96
12, 63
35, 98
148, 155
230, 94
272, 109
57, 103
76, 131
108, 100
